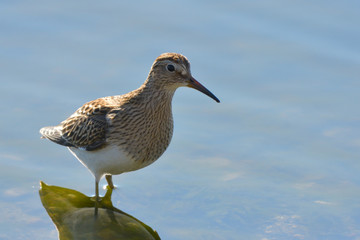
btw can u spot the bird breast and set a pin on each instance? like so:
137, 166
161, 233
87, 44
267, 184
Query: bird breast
144, 132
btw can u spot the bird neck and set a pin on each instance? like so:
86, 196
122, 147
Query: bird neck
155, 94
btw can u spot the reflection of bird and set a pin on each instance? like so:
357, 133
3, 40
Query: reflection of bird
117, 134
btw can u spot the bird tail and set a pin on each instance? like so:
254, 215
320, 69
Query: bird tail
54, 134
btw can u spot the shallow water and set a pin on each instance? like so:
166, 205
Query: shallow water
278, 158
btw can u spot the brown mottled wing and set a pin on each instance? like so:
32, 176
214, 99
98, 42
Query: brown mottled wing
87, 127
85, 131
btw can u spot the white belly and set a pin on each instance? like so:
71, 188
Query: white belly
108, 160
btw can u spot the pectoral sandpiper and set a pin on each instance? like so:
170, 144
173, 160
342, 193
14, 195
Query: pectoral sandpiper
117, 134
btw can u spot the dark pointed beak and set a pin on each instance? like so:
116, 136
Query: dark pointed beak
198, 86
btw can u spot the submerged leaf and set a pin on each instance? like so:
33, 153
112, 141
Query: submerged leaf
73, 214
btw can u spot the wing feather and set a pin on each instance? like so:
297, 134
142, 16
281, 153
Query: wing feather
86, 128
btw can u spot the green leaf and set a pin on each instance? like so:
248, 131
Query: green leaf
73, 214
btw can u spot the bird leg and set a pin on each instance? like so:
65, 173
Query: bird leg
97, 198
108, 178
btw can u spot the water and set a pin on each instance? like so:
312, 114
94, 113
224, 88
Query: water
278, 158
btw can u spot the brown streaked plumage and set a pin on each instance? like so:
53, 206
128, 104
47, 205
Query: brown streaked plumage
117, 134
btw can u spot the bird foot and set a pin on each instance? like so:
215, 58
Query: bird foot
95, 199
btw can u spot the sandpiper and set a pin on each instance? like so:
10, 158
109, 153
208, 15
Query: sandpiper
117, 134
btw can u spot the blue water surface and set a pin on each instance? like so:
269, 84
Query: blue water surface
278, 158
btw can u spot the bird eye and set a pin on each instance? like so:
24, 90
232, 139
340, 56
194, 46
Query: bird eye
170, 68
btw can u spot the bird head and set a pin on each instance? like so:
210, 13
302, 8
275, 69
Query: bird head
172, 70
